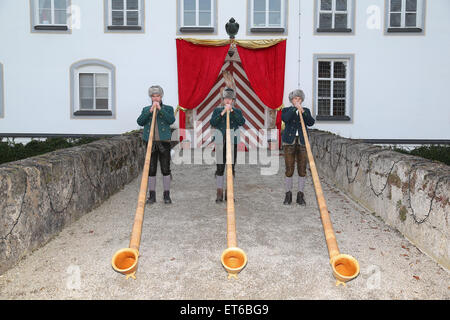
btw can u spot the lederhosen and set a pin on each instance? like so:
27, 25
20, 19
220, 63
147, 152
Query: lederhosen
295, 153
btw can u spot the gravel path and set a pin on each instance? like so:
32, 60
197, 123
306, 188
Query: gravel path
181, 246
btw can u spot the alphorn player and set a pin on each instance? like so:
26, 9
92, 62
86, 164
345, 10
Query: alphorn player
161, 141
219, 122
294, 144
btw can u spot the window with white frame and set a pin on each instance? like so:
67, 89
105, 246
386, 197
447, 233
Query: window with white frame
50, 15
333, 87
93, 91
124, 14
334, 15
405, 15
267, 15
93, 83
197, 15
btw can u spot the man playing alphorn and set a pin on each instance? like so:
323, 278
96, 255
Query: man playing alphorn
294, 144
219, 122
161, 141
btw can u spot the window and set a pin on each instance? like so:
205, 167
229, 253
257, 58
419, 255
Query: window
93, 91
267, 15
197, 15
333, 87
49, 15
124, 15
405, 15
2, 98
92, 88
334, 16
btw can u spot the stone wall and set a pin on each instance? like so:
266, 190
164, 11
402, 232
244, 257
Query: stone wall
41, 195
409, 193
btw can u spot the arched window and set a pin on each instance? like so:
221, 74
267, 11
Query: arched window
92, 89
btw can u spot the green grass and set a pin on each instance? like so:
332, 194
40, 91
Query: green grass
17, 151
433, 152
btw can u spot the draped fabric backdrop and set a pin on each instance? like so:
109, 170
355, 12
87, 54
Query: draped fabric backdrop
198, 69
265, 71
200, 61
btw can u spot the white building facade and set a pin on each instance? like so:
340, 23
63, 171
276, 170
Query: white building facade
375, 69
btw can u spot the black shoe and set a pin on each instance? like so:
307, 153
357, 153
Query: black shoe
300, 199
219, 196
151, 197
167, 199
288, 198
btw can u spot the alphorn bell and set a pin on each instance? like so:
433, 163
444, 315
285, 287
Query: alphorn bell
345, 267
125, 260
233, 258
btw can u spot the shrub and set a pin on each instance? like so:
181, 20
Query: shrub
433, 152
10, 151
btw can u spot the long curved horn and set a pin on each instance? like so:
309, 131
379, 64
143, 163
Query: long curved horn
125, 260
233, 258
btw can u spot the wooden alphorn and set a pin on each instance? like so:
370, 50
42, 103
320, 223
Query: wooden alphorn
345, 267
233, 258
125, 260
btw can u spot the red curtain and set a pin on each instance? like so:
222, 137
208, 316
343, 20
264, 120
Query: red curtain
198, 68
265, 71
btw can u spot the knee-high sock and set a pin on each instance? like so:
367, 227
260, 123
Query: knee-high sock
151, 183
288, 183
219, 182
301, 183
166, 182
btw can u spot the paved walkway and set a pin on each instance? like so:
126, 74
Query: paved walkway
181, 246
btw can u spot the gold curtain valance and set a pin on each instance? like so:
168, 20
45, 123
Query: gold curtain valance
249, 44
258, 44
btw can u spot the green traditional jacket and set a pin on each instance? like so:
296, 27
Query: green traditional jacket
220, 123
165, 117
